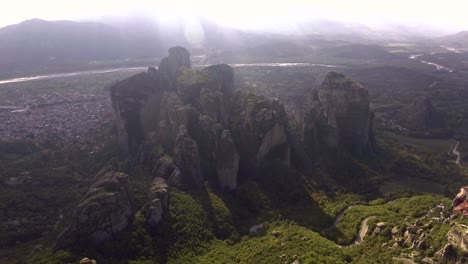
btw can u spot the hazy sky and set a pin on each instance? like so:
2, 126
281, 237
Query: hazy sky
251, 13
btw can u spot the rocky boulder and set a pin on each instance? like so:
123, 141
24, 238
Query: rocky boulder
105, 210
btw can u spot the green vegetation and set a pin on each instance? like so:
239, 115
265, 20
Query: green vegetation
436, 146
47, 257
393, 212
293, 240
212, 226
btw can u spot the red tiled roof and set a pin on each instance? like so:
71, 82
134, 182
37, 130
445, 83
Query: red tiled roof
461, 208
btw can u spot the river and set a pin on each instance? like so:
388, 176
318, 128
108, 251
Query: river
139, 69
438, 66
69, 74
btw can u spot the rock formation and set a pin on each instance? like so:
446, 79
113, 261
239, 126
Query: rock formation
186, 127
457, 238
170, 67
187, 159
338, 117
158, 200
227, 163
129, 98
198, 120
421, 115
225, 132
259, 127
105, 210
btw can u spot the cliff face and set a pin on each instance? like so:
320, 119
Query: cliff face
259, 126
186, 127
232, 131
338, 118
130, 99
196, 118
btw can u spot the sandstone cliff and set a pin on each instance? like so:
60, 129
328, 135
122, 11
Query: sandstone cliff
338, 118
183, 128
221, 131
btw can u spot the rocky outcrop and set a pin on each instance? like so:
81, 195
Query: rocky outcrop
165, 169
225, 133
87, 261
227, 161
215, 101
458, 238
220, 131
421, 115
186, 157
173, 114
170, 67
105, 210
259, 128
129, 100
158, 201
338, 118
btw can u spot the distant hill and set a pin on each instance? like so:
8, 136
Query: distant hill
40, 46
35, 43
360, 51
47, 46
458, 40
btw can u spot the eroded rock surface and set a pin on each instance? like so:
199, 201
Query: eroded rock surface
226, 132
105, 210
458, 237
186, 157
259, 128
227, 161
169, 67
158, 201
129, 99
339, 118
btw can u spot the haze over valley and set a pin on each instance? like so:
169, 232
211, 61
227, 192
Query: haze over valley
295, 132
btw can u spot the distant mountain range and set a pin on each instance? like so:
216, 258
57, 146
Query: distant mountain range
49, 46
38, 43
458, 40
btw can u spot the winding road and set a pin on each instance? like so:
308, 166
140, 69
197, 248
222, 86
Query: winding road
362, 231
454, 151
